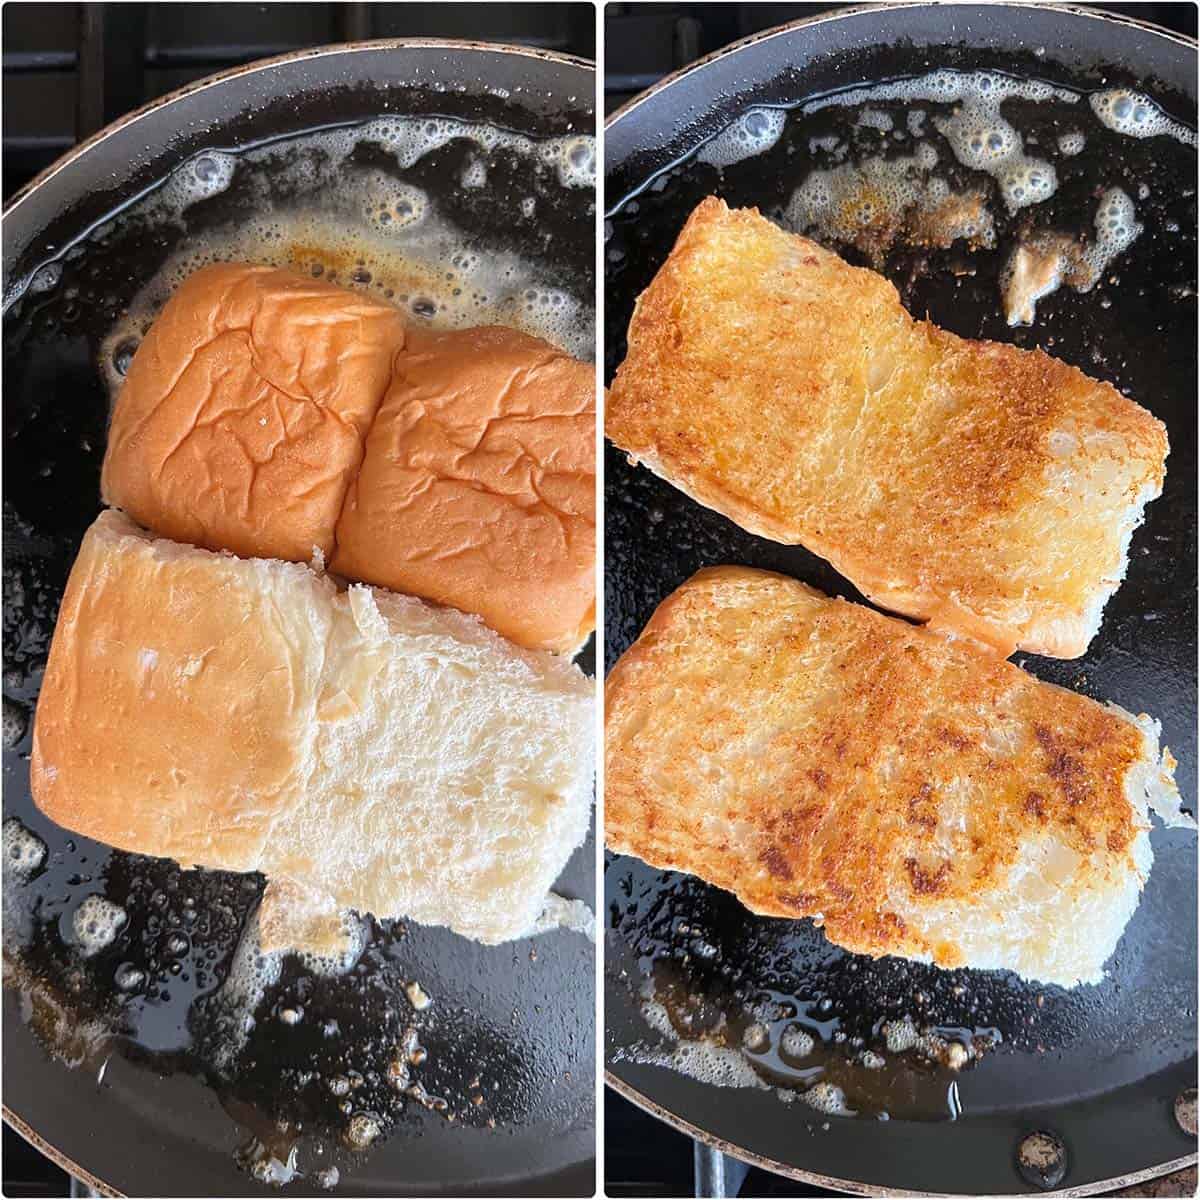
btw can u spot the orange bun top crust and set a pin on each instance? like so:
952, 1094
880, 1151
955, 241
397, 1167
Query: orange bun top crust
242, 419
477, 488
272, 415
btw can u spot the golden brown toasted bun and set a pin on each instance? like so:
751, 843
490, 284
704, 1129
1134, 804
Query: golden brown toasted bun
920, 795
242, 418
477, 489
362, 750
983, 488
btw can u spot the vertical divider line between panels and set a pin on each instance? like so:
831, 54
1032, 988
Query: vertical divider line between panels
600, 922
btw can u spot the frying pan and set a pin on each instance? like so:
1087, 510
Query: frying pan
1100, 1069
144, 1111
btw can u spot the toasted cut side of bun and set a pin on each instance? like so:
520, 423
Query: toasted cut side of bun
477, 489
915, 794
987, 490
244, 714
243, 415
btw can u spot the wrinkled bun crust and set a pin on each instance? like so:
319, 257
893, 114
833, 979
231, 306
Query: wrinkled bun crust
242, 419
390, 755
248, 408
478, 485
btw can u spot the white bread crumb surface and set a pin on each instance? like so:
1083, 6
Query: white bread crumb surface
375, 751
1041, 924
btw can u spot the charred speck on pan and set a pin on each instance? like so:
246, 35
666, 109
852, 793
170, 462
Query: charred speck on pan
307, 1062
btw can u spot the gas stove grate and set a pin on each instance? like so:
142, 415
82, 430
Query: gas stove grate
70, 69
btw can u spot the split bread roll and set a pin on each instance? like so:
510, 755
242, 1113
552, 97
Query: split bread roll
396, 757
477, 488
988, 490
249, 406
915, 794
242, 418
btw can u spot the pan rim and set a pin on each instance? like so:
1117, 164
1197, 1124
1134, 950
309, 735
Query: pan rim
55, 1155
266, 64
22, 1127
857, 1187
840, 14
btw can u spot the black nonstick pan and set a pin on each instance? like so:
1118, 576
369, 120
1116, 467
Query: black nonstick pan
1106, 1073
119, 1065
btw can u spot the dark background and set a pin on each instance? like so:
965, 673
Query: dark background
71, 69
644, 42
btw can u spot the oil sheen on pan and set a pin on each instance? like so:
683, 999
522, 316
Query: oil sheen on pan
1007, 208
318, 1061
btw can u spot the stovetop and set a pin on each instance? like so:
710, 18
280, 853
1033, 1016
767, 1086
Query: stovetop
644, 42
70, 69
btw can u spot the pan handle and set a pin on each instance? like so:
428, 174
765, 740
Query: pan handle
717, 1176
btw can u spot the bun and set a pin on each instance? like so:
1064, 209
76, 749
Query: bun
916, 795
988, 490
243, 714
247, 410
478, 485
242, 419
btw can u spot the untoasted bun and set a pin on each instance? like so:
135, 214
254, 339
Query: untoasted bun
242, 418
243, 714
242, 423
921, 796
988, 490
478, 485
